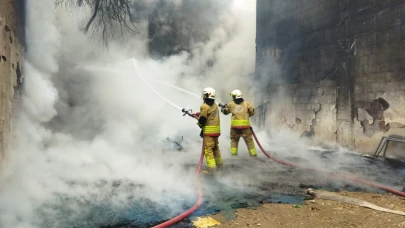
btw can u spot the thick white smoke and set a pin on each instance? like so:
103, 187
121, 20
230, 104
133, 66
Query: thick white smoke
91, 132
82, 129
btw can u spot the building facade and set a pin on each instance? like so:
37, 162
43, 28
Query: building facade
332, 70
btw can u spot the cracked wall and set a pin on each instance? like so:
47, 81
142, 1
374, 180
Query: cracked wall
307, 109
344, 56
380, 75
11, 65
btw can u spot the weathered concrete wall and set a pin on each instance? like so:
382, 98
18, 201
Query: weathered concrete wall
308, 109
380, 72
11, 54
332, 59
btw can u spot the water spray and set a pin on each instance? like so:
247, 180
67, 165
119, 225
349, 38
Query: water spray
178, 88
151, 88
141, 77
159, 81
186, 91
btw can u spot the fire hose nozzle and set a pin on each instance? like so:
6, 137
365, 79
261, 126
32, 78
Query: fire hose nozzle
222, 105
186, 112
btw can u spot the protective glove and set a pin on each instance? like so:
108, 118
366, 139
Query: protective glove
200, 125
197, 114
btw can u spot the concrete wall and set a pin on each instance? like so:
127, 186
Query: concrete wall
322, 65
11, 54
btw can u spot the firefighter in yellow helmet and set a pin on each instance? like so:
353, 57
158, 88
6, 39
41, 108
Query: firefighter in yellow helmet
209, 122
240, 125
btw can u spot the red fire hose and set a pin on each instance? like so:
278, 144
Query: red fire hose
198, 187
200, 199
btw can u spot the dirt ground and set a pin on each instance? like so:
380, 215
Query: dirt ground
321, 213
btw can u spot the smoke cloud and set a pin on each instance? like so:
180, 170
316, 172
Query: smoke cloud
90, 132
92, 135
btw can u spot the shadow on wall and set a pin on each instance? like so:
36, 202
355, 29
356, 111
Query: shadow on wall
371, 116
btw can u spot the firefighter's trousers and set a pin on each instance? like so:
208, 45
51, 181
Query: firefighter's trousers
212, 152
247, 137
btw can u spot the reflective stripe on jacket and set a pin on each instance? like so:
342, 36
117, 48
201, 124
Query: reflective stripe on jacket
211, 113
240, 114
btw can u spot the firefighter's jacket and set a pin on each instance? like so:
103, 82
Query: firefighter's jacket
209, 120
240, 114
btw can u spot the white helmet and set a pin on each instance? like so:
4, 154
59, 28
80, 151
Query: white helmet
208, 93
236, 94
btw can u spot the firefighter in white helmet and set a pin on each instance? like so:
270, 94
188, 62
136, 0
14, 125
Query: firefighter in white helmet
240, 125
209, 122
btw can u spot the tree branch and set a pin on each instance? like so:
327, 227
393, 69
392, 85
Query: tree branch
107, 16
96, 8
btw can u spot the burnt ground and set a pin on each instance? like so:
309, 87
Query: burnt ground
247, 191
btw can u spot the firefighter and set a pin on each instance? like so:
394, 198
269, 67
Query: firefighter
209, 122
240, 125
